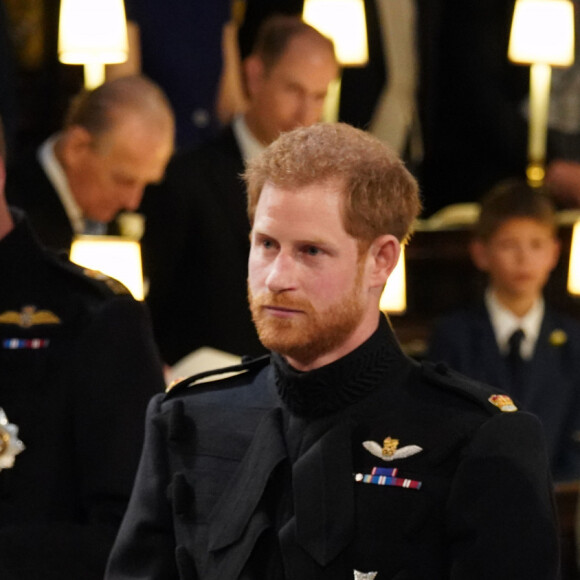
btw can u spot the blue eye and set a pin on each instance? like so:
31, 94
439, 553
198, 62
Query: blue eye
312, 250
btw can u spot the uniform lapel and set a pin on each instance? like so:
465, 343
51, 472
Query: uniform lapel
545, 368
323, 500
238, 519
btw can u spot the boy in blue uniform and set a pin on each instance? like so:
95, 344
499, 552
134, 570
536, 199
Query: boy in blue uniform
512, 338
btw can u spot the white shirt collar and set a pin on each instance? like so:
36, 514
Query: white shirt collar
57, 177
505, 323
249, 145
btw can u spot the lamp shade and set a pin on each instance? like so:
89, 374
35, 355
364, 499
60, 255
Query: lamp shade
574, 266
394, 297
344, 22
92, 31
117, 257
542, 32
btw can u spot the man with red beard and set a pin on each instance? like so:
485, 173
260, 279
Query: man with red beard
336, 456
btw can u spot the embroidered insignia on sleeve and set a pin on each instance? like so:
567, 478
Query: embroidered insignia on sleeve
558, 337
503, 403
389, 451
10, 445
364, 575
28, 317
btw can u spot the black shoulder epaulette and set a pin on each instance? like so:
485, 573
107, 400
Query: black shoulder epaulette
247, 365
442, 376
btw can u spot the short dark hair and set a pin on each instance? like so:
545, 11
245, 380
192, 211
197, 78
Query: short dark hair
275, 34
513, 198
95, 109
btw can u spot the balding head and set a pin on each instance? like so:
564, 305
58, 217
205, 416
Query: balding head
117, 139
99, 109
287, 77
277, 32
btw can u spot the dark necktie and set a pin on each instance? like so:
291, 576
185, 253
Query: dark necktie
516, 362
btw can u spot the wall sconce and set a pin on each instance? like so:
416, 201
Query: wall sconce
92, 33
394, 297
542, 35
344, 22
573, 267
115, 256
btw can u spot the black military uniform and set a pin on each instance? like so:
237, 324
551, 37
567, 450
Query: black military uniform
371, 467
77, 368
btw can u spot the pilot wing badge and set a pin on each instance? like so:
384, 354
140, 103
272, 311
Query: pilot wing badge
389, 450
28, 317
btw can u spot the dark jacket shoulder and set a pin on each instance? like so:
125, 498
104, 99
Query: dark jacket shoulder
491, 400
50, 277
220, 378
207, 159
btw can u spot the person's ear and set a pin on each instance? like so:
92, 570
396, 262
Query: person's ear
254, 73
75, 142
383, 254
478, 253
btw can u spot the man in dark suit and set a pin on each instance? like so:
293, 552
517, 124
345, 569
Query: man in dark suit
336, 457
196, 242
511, 338
116, 139
77, 366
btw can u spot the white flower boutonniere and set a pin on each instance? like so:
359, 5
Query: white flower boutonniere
10, 445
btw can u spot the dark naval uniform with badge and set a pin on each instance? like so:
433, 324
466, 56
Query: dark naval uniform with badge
77, 368
372, 467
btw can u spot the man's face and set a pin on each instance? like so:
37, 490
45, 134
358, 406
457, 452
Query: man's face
307, 284
291, 94
518, 257
110, 173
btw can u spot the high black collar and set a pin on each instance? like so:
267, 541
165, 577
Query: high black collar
333, 387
